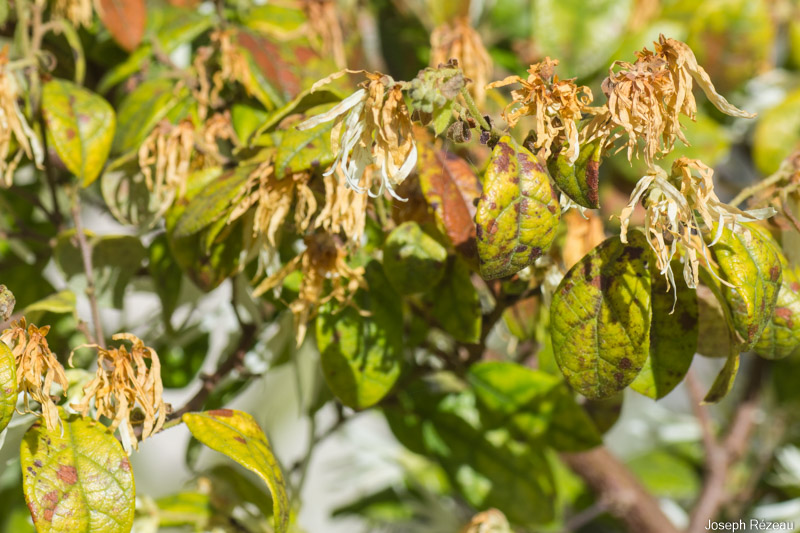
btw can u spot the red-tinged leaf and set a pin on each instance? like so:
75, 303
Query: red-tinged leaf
267, 56
125, 19
451, 188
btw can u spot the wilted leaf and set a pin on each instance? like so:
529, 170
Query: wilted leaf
517, 214
125, 19
80, 127
8, 385
600, 317
673, 336
237, 435
362, 356
413, 260
77, 478
751, 266
451, 189
580, 180
455, 303
304, 150
533, 405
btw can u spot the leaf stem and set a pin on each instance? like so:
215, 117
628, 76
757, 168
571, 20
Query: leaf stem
86, 257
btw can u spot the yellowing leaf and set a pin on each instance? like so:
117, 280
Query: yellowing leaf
77, 478
517, 214
781, 336
8, 385
750, 265
579, 181
237, 435
80, 127
600, 317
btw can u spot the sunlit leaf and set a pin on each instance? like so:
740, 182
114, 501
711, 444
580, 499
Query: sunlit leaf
8, 385
579, 181
77, 478
304, 150
237, 435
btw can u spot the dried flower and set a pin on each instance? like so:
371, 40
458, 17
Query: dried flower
37, 368
458, 40
647, 98
322, 261
13, 125
678, 209
556, 106
323, 20
372, 127
165, 158
122, 382
79, 12
345, 209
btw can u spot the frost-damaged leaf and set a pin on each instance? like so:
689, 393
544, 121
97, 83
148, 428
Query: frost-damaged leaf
517, 214
8, 385
532, 404
455, 303
80, 126
579, 181
413, 260
781, 336
724, 381
673, 336
212, 202
125, 20
748, 263
304, 150
451, 189
77, 478
237, 435
362, 356
600, 317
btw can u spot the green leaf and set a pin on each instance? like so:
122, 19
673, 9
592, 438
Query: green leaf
579, 181
455, 303
212, 202
304, 150
533, 405
185, 509
299, 104
413, 260
142, 109
237, 435
777, 133
362, 356
724, 381
8, 385
749, 264
666, 475
673, 336
166, 275
582, 35
60, 302
77, 478
781, 335
600, 317
80, 127
517, 214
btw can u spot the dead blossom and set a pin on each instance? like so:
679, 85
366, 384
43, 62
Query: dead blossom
458, 40
372, 126
555, 105
165, 159
13, 125
37, 368
647, 98
326, 276
679, 208
78, 12
123, 382
325, 27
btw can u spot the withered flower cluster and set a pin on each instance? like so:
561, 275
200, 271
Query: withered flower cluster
555, 105
78, 12
37, 368
458, 40
124, 382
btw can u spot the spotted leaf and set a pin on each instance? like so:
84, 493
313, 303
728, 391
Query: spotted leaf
77, 478
8, 385
781, 336
600, 317
579, 181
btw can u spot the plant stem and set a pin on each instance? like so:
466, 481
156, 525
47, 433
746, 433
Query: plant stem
473, 110
86, 256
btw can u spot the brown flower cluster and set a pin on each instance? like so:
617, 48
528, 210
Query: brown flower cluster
647, 98
123, 382
78, 12
37, 368
458, 40
324, 24
555, 105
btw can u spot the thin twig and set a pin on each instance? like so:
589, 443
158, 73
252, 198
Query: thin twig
86, 256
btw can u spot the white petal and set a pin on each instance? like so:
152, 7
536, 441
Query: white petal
340, 109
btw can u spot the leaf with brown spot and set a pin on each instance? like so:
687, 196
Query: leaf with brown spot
237, 435
781, 335
518, 213
78, 479
451, 189
8, 385
125, 20
600, 317
579, 181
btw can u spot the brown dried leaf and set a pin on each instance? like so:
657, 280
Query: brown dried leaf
125, 19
